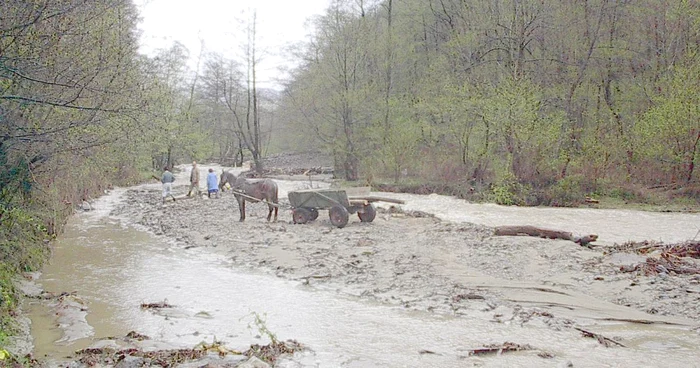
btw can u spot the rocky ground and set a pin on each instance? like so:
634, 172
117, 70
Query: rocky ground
421, 263
418, 261
415, 260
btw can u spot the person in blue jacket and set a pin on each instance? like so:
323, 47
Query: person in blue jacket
212, 184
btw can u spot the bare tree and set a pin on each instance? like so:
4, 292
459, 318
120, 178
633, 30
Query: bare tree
249, 124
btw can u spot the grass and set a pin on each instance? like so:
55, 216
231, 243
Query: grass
675, 205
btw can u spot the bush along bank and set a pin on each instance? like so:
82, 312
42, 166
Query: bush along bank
33, 211
24, 247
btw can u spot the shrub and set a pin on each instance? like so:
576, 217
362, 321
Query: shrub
568, 191
508, 191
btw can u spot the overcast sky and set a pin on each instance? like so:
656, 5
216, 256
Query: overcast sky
218, 24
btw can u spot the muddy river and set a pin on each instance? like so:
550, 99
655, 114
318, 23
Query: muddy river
113, 263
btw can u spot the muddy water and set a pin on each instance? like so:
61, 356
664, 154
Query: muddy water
612, 226
114, 267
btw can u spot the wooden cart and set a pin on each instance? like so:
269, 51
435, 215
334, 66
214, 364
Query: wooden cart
340, 203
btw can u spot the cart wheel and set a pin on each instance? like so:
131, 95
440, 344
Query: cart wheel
301, 215
314, 214
368, 213
339, 216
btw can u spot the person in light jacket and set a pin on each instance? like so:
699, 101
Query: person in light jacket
194, 180
167, 179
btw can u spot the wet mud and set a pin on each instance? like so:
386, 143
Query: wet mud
588, 298
410, 259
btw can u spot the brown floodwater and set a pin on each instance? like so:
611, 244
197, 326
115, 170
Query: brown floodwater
114, 266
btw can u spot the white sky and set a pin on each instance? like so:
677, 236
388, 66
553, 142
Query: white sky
218, 24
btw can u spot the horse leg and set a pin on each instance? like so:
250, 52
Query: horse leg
276, 209
241, 208
269, 214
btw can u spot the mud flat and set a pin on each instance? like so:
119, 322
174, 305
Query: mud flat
408, 289
417, 262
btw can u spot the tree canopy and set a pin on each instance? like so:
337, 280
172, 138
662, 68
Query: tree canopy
600, 94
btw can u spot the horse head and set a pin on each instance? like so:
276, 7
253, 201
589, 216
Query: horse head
226, 177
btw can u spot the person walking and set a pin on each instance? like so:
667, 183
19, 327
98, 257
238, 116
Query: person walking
212, 184
167, 179
194, 180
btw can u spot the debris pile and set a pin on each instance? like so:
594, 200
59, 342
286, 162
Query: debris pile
173, 357
663, 258
272, 351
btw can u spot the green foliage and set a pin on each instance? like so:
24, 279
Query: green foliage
396, 145
21, 249
261, 326
21, 239
524, 135
625, 193
506, 190
72, 121
568, 192
503, 194
562, 91
669, 132
9, 300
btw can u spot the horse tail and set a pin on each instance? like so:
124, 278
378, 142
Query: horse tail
275, 198
275, 193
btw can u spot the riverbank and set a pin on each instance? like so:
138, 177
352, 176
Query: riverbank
663, 198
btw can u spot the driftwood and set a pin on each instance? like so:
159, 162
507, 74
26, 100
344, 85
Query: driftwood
544, 233
671, 258
499, 348
666, 263
641, 321
158, 305
607, 342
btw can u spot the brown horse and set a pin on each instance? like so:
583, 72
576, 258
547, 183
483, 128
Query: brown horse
253, 191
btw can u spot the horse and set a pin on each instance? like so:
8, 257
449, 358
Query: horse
254, 191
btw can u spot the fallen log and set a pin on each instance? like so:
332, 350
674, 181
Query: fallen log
526, 230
